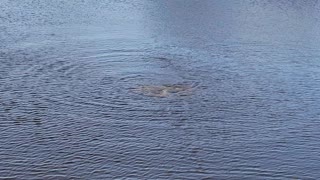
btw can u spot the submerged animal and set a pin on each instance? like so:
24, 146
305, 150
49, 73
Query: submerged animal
162, 90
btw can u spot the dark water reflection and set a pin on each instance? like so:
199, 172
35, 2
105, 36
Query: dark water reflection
68, 69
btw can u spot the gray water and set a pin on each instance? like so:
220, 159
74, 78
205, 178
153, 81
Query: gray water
68, 70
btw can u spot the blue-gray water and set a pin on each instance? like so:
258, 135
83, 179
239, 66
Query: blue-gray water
68, 70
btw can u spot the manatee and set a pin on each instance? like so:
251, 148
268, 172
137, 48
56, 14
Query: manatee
162, 90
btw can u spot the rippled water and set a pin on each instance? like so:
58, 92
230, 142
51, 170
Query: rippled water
69, 71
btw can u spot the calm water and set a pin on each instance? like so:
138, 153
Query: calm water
68, 70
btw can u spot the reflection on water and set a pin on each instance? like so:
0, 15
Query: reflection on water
159, 89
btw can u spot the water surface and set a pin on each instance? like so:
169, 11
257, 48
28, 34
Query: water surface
68, 71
